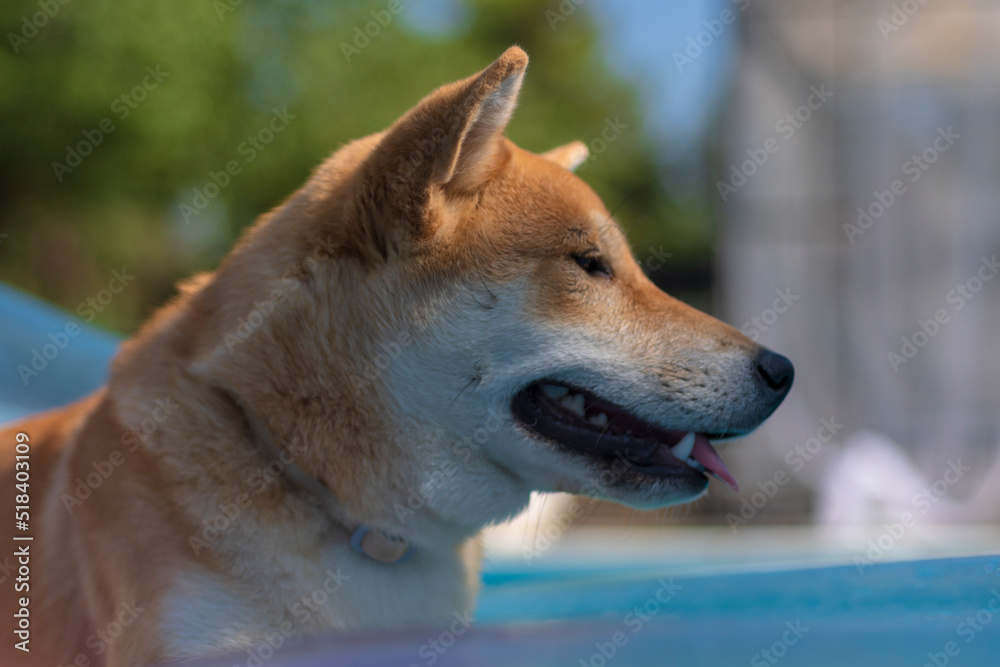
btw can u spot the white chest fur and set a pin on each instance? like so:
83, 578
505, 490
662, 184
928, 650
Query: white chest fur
295, 597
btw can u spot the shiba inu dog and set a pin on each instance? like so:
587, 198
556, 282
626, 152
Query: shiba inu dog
310, 439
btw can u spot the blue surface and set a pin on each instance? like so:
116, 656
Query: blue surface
895, 614
73, 371
907, 613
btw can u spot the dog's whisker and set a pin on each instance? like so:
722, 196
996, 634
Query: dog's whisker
471, 382
538, 518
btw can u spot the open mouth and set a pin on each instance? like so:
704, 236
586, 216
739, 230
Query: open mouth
579, 421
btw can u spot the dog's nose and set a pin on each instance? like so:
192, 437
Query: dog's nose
776, 371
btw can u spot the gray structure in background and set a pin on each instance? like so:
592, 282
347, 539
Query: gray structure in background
915, 100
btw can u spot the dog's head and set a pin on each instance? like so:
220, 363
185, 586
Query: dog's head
476, 306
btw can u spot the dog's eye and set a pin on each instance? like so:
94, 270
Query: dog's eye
592, 264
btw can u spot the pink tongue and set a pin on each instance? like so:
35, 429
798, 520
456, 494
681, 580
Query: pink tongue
705, 454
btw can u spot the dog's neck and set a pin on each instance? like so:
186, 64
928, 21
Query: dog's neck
257, 424
375, 543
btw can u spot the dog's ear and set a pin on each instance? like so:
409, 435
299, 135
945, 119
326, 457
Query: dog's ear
457, 129
451, 142
570, 155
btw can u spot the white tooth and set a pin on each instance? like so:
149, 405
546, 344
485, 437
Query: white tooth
573, 403
694, 464
554, 390
682, 449
600, 419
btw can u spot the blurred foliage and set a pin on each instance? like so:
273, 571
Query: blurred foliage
224, 65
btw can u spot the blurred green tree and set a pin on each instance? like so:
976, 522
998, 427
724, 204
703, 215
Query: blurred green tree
115, 116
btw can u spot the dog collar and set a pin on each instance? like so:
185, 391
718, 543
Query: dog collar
379, 545
366, 540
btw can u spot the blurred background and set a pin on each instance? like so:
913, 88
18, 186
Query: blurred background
821, 174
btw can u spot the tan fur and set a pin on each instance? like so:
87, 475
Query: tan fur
434, 226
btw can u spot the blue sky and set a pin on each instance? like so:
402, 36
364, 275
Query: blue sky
640, 38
